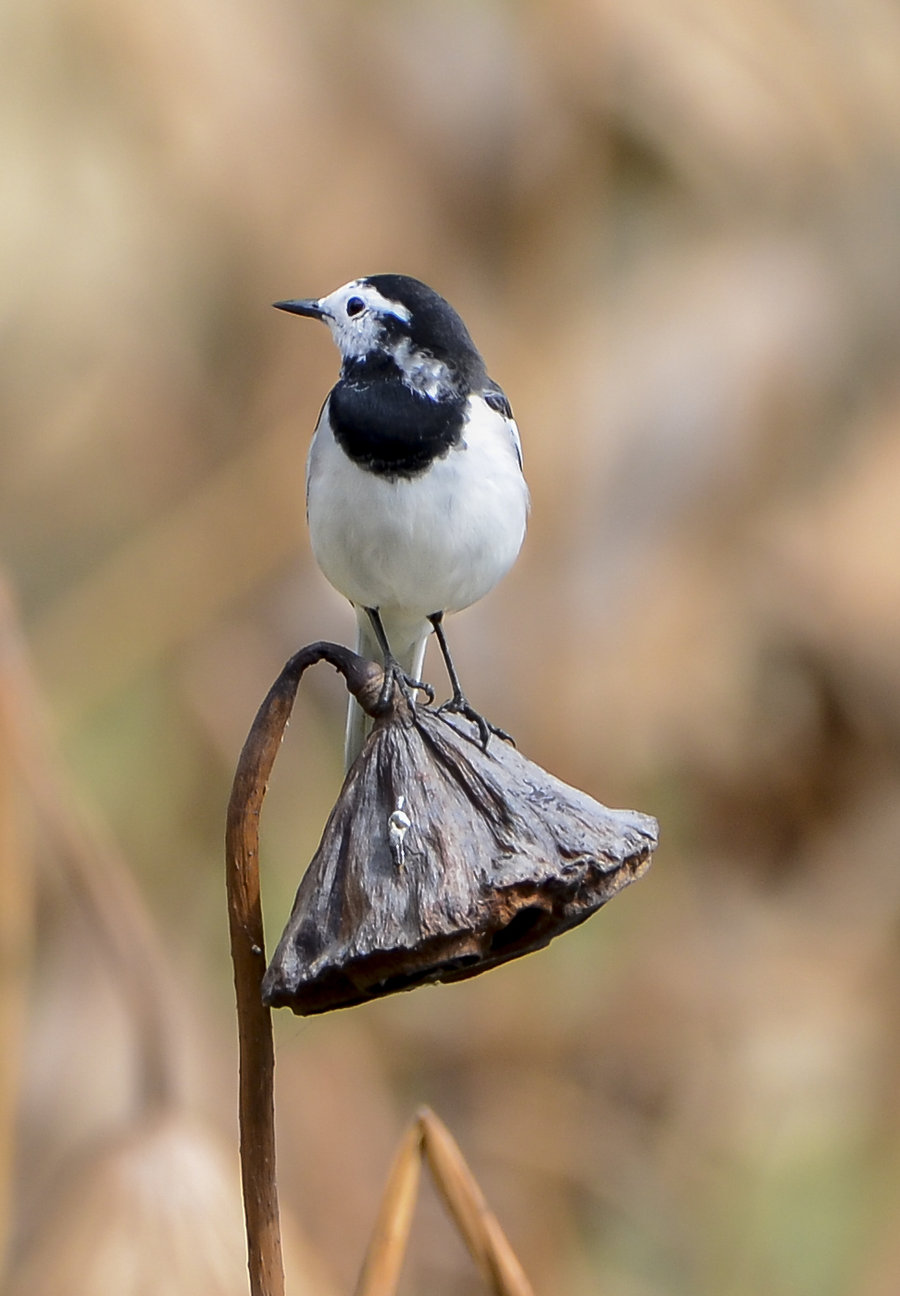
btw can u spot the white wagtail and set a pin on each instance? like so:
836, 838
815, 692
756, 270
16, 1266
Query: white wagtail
414, 489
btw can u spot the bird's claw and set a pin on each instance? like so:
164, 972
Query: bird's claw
409, 686
459, 705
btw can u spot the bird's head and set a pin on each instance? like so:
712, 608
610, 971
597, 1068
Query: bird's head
394, 318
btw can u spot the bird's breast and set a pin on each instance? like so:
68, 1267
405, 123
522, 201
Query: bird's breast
436, 540
392, 430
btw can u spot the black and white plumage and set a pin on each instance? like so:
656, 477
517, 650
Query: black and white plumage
415, 496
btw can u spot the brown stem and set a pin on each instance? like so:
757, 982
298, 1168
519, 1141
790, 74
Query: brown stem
257, 1055
98, 882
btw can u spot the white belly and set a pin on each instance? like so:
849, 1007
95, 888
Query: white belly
435, 543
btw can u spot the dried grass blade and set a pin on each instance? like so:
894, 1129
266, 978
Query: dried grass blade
475, 1220
17, 907
384, 1258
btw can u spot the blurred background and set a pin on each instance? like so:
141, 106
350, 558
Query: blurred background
671, 226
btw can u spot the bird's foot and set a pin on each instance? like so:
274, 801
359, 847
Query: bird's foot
459, 705
394, 675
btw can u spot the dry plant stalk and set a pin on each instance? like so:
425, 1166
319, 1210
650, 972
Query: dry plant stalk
256, 1049
429, 1139
390, 1234
17, 907
476, 1222
97, 879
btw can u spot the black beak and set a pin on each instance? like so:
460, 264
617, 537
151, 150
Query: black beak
303, 307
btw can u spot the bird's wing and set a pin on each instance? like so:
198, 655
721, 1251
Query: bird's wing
323, 414
496, 399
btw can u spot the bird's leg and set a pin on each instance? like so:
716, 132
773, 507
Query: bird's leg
393, 671
459, 703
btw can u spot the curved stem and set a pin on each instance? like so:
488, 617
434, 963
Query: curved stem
248, 953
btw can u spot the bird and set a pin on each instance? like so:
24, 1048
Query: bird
415, 496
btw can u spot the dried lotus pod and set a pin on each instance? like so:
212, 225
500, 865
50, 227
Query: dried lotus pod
441, 860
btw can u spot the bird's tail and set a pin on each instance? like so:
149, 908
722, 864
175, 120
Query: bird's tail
408, 646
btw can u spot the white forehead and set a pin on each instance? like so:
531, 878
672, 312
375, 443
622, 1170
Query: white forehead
356, 335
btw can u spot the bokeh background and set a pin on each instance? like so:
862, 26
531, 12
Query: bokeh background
672, 227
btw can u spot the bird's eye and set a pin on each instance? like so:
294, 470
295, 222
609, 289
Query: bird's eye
355, 305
